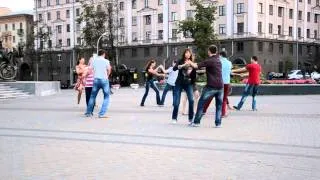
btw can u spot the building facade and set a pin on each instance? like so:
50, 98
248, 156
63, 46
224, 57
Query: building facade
281, 33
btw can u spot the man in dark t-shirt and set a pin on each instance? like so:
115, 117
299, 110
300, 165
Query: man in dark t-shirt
254, 70
214, 87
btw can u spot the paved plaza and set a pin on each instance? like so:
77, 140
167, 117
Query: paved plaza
49, 138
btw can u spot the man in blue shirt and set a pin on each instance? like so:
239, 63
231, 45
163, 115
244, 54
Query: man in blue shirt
101, 70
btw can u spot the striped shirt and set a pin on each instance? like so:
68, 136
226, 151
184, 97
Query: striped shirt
89, 79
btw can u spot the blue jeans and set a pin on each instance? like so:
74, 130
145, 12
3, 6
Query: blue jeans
150, 83
177, 90
165, 91
97, 85
246, 93
206, 94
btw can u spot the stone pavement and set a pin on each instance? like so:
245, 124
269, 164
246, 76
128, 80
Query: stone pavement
49, 138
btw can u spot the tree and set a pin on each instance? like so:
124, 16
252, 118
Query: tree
200, 27
95, 22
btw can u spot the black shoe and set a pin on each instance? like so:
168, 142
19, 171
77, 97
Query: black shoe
236, 108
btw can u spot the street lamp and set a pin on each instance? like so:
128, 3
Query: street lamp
104, 34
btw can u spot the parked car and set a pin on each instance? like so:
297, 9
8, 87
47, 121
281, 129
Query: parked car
297, 74
315, 75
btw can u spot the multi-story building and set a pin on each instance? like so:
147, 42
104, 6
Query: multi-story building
270, 29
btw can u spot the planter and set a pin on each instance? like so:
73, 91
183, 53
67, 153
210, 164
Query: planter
134, 86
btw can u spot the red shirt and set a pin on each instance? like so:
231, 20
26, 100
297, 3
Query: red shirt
254, 73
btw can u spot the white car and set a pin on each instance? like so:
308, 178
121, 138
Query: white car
315, 75
297, 74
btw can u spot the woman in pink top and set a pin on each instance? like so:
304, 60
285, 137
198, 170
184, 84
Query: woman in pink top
89, 81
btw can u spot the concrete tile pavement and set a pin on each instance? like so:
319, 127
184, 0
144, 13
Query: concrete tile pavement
48, 138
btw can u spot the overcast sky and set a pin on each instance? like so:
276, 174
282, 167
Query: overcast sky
18, 5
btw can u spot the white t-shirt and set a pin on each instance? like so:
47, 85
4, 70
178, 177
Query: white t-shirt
172, 76
100, 67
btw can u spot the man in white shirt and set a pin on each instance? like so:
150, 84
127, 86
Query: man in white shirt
101, 70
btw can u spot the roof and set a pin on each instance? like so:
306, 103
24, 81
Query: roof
11, 15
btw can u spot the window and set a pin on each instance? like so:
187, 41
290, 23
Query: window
58, 14
280, 11
160, 2
300, 50
315, 34
21, 26
260, 46
68, 42
240, 46
187, 34
222, 10
57, 2
77, 12
146, 52
147, 19
317, 2
40, 17
308, 33
290, 30
316, 18
299, 32
308, 49
134, 37
79, 41
160, 18
281, 48
260, 8
290, 13
39, 3
67, 1
174, 33
78, 27
59, 27
160, 34
240, 8
189, 14
222, 29
300, 0
146, 3
133, 52
134, 4
49, 29
122, 53
173, 16
13, 27
309, 1
174, 1
59, 42
300, 15
148, 35
6, 27
99, 8
308, 16
270, 47
270, 28
270, 9
134, 20
68, 13
279, 30
49, 16
160, 51
48, 3
174, 51
259, 27
291, 48
121, 22
68, 27
13, 39
49, 43
240, 28
121, 6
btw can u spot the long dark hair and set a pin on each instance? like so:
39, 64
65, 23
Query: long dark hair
78, 62
149, 64
184, 52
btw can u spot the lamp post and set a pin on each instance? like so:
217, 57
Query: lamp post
104, 34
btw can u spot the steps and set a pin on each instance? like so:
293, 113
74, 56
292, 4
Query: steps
7, 92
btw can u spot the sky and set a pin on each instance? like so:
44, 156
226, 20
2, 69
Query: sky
18, 5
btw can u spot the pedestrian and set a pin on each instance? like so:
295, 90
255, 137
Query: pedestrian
89, 81
254, 70
102, 69
171, 81
81, 73
213, 88
185, 79
152, 74
226, 72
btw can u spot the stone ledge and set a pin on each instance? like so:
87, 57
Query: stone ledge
37, 88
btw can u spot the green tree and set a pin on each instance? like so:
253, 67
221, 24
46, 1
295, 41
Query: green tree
200, 27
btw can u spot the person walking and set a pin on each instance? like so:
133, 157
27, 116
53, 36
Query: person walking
186, 76
254, 70
81, 72
171, 81
152, 72
226, 72
213, 88
102, 70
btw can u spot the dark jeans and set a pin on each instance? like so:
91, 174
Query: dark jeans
246, 93
165, 91
97, 85
207, 93
88, 94
177, 90
150, 83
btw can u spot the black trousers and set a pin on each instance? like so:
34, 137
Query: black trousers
88, 93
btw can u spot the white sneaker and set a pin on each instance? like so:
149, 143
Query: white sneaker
173, 121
